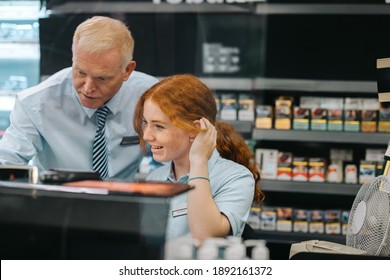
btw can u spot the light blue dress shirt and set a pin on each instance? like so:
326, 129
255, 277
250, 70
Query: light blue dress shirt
50, 127
232, 188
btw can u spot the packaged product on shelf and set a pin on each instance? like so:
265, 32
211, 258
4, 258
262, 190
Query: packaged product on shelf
300, 220
316, 221
228, 106
319, 119
379, 168
335, 168
268, 219
301, 120
246, 107
284, 219
352, 120
369, 120
332, 222
369, 108
267, 159
376, 155
310, 102
317, 169
335, 172
335, 108
299, 169
384, 120
335, 120
283, 112
351, 174
367, 171
344, 221
284, 171
264, 116
254, 217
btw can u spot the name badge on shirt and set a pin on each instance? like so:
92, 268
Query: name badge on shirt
179, 210
129, 140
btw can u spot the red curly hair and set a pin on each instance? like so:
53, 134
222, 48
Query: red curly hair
184, 99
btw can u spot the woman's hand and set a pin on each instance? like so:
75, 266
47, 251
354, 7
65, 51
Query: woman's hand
204, 143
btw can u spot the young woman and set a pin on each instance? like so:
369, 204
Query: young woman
177, 119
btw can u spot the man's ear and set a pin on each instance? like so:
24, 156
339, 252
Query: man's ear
129, 69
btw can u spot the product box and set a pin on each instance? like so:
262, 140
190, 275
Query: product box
367, 170
264, 116
379, 168
316, 221
310, 102
268, 163
369, 120
350, 174
283, 112
246, 107
254, 217
299, 169
301, 120
317, 169
284, 218
268, 219
352, 120
335, 120
228, 106
300, 220
335, 107
344, 221
335, 172
319, 119
384, 120
332, 222
284, 171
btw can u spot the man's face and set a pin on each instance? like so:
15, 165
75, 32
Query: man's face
98, 77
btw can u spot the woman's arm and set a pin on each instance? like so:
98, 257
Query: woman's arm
204, 218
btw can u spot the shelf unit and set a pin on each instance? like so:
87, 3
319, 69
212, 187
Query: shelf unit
321, 136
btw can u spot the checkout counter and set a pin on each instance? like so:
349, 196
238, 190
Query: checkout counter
84, 221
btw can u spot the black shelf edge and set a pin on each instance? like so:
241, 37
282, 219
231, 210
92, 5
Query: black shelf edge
309, 187
321, 136
294, 237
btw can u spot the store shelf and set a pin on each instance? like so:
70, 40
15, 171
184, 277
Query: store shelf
243, 127
74, 7
309, 187
333, 9
321, 136
294, 237
314, 85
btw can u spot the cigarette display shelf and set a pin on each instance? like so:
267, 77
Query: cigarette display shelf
321, 136
309, 187
294, 237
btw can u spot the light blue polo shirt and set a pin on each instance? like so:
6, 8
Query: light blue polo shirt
232, 188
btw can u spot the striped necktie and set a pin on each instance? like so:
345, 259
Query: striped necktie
99, 152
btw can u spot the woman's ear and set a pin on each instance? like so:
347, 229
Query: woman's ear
196, 124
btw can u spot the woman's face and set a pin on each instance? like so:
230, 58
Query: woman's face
167, 141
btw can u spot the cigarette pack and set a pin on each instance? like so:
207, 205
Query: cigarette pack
301, 220
284, 219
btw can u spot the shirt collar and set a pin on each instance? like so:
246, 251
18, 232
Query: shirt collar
183, 179
112, 104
